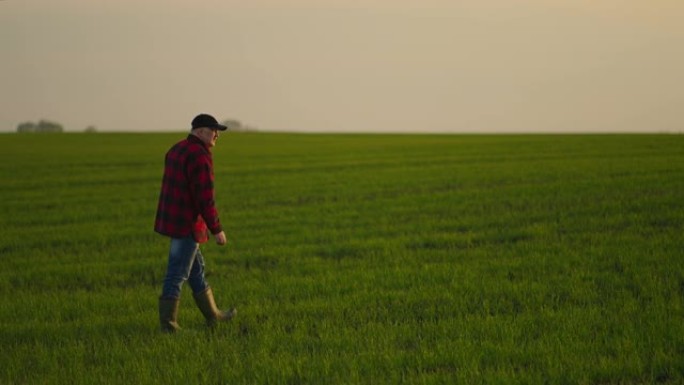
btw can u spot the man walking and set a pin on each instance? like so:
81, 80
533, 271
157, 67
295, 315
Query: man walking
187, 214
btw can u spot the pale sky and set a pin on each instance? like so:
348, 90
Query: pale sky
343, 66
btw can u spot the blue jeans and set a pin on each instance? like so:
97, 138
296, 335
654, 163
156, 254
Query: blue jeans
186, 263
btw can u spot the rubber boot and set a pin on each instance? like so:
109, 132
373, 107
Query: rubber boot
205, 302
168, 314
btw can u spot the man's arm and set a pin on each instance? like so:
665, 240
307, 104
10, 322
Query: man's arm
202, 187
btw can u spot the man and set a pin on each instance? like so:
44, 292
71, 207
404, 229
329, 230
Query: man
187, 214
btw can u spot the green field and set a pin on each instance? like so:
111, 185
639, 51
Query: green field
416, 259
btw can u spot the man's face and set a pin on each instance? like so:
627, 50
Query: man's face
208, 136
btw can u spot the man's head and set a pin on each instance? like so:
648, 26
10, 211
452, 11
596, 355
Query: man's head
206, 127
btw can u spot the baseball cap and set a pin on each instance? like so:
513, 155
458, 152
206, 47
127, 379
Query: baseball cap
206, 120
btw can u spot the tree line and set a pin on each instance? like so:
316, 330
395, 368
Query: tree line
50, 126
41, 126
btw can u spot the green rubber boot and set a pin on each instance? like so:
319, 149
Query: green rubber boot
168, 314
205, 302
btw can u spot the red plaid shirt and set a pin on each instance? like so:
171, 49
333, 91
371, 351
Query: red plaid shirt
186, 202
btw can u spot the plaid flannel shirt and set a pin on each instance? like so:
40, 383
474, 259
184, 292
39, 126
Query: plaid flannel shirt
186, 202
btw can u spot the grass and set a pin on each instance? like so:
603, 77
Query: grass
435, 259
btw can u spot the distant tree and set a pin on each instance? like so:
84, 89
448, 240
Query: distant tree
48, 126
233, 125
26, 127
42, 126
91, 129
236, 125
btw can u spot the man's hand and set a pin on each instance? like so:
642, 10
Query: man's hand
220, 238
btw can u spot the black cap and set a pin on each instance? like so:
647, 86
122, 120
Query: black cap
206, 120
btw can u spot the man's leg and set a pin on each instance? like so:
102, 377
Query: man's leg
204, 296
195, 277
181, 259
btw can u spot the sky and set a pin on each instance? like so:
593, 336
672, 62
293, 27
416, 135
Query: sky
475, 66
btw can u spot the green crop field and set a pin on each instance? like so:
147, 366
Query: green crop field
352, 259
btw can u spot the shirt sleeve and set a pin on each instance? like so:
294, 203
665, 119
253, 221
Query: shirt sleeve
201, 176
